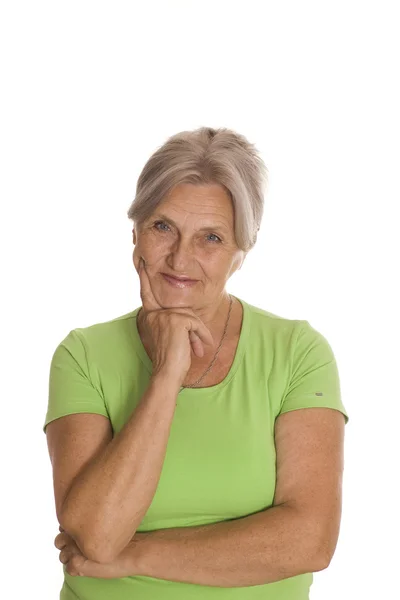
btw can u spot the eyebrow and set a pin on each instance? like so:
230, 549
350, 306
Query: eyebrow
221, 228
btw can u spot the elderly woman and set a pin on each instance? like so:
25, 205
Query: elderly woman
197, 441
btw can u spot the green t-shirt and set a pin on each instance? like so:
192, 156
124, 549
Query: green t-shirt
220, 459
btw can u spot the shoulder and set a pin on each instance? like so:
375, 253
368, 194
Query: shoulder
266, 321
99, 331
285, 334
99, 336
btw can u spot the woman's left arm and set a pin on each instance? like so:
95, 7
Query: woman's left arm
261, 548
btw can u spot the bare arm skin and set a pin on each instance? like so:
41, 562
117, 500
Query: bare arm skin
109, 498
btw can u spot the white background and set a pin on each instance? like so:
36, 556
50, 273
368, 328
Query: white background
89, 91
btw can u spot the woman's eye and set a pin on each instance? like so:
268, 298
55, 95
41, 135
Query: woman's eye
161, 226
157, 223
215, 236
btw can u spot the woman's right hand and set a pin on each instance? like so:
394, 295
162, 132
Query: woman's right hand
173, 333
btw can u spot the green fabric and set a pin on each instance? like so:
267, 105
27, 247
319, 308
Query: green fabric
220, 460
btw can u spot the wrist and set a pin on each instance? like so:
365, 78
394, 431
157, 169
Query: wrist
166, 383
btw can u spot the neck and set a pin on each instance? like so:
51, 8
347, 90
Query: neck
214, 315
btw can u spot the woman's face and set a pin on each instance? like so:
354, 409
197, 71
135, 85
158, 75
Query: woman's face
190, 234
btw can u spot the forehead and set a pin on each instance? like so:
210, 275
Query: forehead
211, 201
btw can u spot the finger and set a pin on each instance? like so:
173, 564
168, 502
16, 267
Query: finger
146, 293
202, 332
64, 555
197, 344
60, 541
196, 326
76, 565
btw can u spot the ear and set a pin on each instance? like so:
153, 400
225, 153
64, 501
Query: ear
134, 235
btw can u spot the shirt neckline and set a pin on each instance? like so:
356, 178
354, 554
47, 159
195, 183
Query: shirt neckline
200, 391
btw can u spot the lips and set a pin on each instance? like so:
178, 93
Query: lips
179, 283
178, 278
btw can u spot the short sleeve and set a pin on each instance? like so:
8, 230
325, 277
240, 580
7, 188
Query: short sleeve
70, 387
314, 379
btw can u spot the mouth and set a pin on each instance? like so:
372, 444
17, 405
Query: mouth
179, 282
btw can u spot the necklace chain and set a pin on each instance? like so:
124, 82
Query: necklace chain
192, 385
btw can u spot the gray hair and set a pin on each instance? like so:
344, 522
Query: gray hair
203, 156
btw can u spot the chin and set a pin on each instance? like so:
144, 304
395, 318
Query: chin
175, 298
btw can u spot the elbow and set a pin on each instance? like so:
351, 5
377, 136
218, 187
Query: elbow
93, 548
320, 563
319, 541
311, 560
99, 555
82, 539
324, 555
313, 556
315, 543
106, 553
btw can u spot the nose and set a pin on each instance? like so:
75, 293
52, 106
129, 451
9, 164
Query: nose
181, 255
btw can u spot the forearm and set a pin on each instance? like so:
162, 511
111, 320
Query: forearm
109, 499
261, 548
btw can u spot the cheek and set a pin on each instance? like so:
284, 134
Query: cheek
218, 262
151, 247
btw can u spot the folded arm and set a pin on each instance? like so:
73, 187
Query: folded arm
261, 548
297, 535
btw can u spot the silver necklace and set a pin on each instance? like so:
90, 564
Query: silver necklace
192, 385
